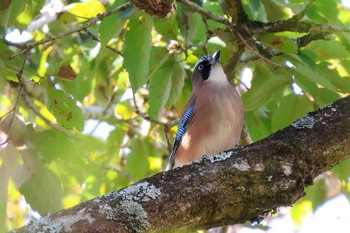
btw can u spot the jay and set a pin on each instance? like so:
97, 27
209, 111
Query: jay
213, 117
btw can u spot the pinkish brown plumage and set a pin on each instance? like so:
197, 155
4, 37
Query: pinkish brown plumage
212, 120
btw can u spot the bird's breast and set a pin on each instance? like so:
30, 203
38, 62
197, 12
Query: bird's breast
215, 127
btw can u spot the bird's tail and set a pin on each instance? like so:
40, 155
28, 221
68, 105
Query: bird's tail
171, 160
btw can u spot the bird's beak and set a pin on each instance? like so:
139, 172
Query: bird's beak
216, 57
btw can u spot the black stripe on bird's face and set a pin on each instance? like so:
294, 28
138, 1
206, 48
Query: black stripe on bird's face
204, 65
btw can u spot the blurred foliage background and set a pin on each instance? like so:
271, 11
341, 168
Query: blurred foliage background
96, 110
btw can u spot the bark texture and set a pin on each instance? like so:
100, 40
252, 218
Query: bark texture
232, 187
158, 8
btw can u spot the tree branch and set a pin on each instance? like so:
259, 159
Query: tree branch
232, 187
204, 13
82, 28
289, 25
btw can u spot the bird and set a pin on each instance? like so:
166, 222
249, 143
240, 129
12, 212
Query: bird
213, 117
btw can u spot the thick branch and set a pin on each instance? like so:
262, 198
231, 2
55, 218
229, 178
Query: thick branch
233, 187
294, 26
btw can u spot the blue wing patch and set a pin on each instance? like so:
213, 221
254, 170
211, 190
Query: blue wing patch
179, 134
184, 123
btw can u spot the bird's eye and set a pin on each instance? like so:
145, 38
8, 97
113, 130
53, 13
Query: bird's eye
200, 67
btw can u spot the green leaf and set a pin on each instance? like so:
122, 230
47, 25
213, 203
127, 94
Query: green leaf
258, 123
137, 50
116, 137
159, 55
65, 110
8, 64
8, 17
281, 43
324, 12
37, 6
42, 190
326, 50
290, 108
54, 145
201, 33
25, 16
9, 165
274, 10
110, 26
255, 10
316, 78
20, 13
177, 84
305, 72
190, 24
269, 90
300, 210
262, 73
4, 181
306, 84
185, 94
137, 160
167, 28
326, 97
316, 193
298, 1
215, 8
159, 89
342, 170
343, 83
10, 156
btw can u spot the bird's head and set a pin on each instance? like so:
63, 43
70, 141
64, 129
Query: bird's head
208, 69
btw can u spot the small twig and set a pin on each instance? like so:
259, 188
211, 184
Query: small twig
93, 37
240, 37
143, 115
16, 103
206, 14
209, 34
14, 109
3, 143
19, 77
84, 27
20, 72
243, 84
252, 57
109, 104
7, 113
166, 126
114, 50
